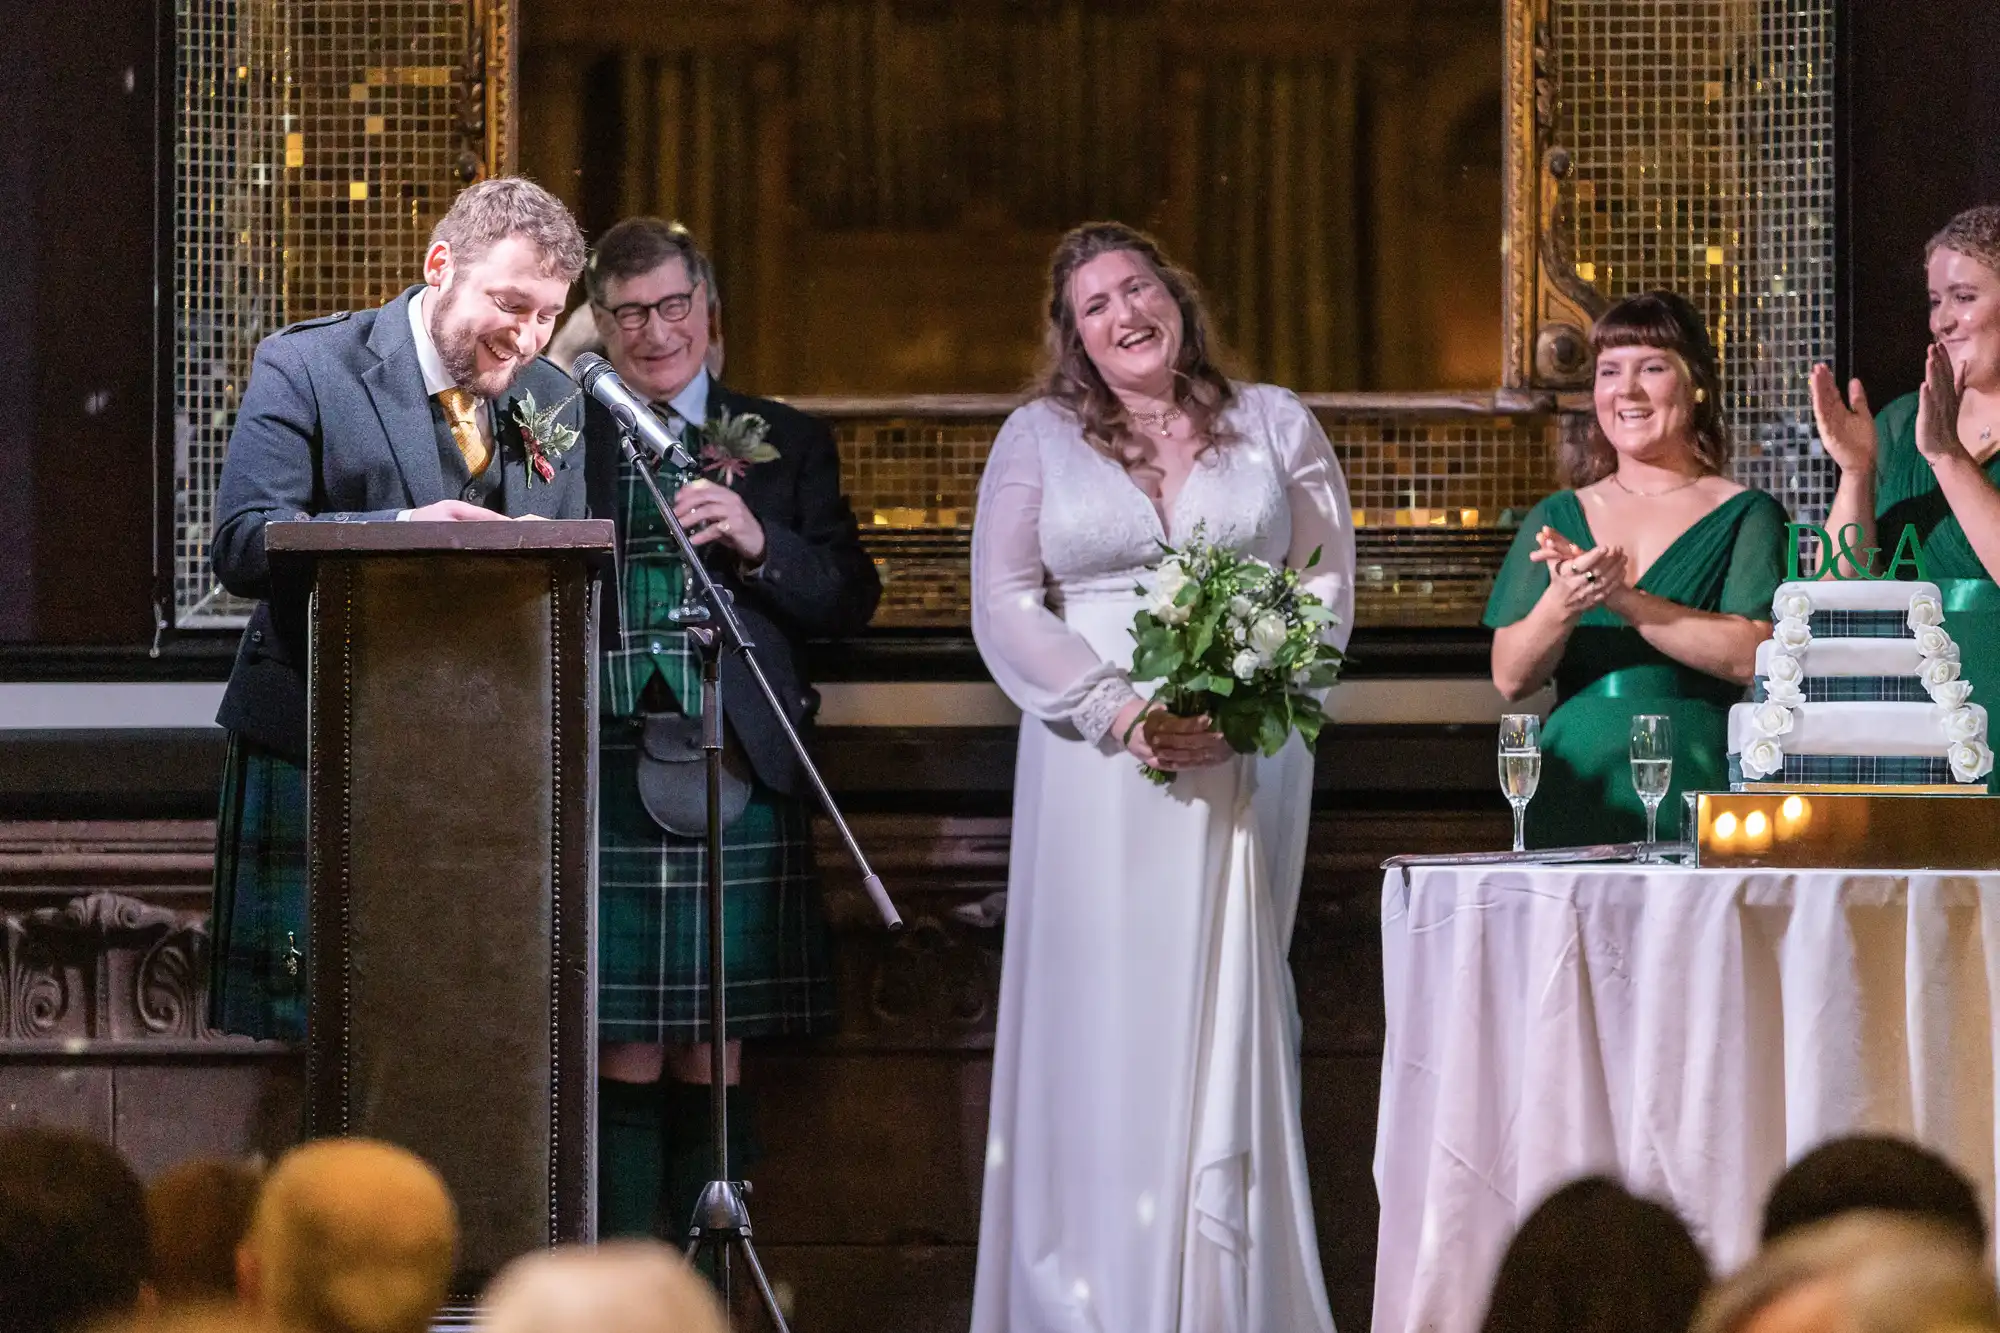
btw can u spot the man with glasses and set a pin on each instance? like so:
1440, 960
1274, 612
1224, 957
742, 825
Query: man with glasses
766, 511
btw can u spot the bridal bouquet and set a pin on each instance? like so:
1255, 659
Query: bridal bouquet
1232, 637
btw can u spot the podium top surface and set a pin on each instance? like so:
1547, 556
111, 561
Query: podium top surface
585, 536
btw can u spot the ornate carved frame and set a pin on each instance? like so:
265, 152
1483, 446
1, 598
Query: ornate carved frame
489, 125
1546, 309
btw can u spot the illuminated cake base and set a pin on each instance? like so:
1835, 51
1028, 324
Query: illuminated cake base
1812, 827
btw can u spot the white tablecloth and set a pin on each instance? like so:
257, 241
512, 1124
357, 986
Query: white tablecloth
1690, 1031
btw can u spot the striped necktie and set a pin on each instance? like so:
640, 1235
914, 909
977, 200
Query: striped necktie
461, 413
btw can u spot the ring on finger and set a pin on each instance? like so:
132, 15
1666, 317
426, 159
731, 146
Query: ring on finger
1589, 575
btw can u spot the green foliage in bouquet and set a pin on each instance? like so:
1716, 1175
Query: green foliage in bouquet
1230, 636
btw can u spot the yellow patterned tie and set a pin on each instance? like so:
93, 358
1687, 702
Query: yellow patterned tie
461, 411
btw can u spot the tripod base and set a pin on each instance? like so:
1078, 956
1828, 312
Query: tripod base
722, 1220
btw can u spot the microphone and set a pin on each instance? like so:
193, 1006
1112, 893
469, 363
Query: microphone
637, 416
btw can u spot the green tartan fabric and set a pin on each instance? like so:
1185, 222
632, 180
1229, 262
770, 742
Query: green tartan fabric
652, 586
653, 928
258, 945
1851, 689
1864, 769
1860, 625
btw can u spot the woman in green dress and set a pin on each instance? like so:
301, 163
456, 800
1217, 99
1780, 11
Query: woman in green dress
1644, 587
1931, 461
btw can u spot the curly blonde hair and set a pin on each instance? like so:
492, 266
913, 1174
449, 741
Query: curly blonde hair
1975, 233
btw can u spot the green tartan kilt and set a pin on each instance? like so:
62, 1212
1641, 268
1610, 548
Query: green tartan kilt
258, 946
652, 953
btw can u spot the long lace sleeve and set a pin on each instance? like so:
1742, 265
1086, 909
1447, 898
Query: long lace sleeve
1322, 519
1047, 669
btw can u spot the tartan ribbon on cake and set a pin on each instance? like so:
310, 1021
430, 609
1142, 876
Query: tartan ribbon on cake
1851, 689
1856, 769
1860, 625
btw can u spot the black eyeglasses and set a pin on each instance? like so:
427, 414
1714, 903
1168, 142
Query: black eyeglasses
633, 316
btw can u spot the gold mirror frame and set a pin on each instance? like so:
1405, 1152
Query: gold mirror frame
1546, 309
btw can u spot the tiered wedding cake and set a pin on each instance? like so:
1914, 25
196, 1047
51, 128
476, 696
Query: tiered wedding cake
1859, 685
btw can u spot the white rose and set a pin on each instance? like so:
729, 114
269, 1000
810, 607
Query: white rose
1268, 633
1168, 612
1245, 664
1938, 670
1792, 633
1761, 758
1925, 610
1934, 642
1785, 667
1961, 724
1950, 694
1770, 719
1240, 607
1169, 579
1793, 605
1786, 692
1300, 677
1970, 760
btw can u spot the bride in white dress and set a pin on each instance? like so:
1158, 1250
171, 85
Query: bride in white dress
1144, 1166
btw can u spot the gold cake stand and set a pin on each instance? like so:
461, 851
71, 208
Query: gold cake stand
1813, 827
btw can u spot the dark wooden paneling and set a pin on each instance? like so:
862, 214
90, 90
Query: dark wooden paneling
1920, 140
866, 1203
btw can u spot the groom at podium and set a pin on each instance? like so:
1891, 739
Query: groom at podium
436, 406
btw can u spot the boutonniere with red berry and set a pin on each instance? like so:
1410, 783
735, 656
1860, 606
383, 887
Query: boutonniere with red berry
543, 434
730, 444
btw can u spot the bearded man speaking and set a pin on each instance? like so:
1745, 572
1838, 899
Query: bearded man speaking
435, 406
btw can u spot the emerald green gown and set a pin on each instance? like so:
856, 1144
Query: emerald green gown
1906, 493
1730, 561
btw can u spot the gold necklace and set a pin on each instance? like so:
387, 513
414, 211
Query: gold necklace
1156, 423
1652, 495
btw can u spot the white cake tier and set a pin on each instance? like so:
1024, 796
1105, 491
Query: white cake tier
1848, 657
1855, 728
1854, 594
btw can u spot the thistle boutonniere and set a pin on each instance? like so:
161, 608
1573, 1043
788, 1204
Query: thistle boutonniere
543, 436
730, 444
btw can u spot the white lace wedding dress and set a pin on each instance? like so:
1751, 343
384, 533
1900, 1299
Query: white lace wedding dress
1144, 1169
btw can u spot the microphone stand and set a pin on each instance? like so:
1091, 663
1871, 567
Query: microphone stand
721, 1218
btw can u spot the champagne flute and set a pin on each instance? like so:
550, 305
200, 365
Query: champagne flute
1652, 753
1520, 766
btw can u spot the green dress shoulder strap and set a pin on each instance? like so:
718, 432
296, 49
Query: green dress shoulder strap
1907, 495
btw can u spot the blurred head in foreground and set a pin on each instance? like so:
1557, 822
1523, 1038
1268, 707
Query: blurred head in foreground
633, 1286
1859, 1273
1595, 1259
1877, 1172
72, 1232
197, 1214
349, 1236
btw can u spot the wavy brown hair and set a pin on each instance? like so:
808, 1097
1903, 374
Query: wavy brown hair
1667, 321
1201, 389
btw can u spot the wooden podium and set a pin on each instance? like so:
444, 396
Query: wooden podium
452, 782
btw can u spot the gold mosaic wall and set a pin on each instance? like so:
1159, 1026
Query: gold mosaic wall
1435, 495
1685, 145
318, 141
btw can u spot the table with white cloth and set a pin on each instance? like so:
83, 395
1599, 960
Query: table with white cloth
1690, 1032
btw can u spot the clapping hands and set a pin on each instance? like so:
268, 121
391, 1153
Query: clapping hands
1580, 579
1848, 433
1937, 409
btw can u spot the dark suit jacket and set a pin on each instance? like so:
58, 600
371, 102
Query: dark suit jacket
335, 426
816, 580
